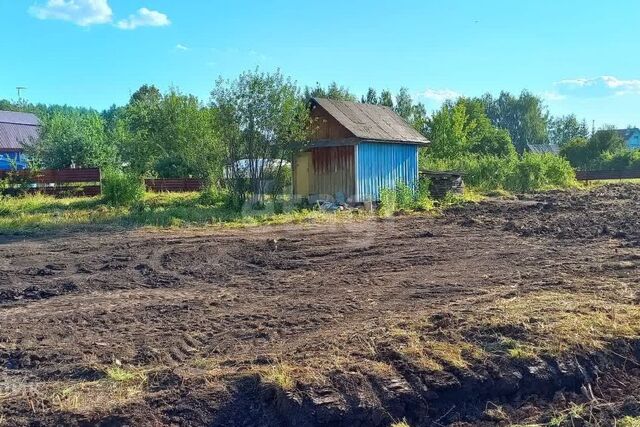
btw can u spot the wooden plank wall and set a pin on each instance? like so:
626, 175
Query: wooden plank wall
333, 171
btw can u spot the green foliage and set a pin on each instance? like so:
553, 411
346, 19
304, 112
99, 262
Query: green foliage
524, 117
604, 150
73, 139
529, 173
121, 189
563, 130
404, 198
387, 202
259, 116
168, 136
333, 91
462, 127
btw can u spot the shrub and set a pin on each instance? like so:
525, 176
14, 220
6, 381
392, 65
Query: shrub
528, 173
387, 202
404, 197
212, 195
120, 189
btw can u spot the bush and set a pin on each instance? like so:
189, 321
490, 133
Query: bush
528, 173
121, 189
387, 202
404, 198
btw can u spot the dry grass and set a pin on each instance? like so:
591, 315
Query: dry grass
560, 322
402, 423
280, 375
629, 422
117, 388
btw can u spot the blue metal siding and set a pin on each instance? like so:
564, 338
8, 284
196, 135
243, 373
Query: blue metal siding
381, 165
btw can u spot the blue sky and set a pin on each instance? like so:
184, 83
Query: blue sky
581, 56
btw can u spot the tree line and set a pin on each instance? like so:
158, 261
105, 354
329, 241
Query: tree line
262, 115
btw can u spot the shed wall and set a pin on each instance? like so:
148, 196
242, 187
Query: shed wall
333, 171
381, 165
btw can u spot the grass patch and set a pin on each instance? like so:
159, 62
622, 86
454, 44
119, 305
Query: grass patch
560, 322
280, 375
629, 422
33, 213
430, 353
118, 374
118, 388
402, 423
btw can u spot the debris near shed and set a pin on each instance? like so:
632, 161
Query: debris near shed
443, 182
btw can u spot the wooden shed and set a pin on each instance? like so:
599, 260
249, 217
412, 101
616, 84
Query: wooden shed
355, 151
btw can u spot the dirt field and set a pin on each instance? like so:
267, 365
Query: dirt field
504, 312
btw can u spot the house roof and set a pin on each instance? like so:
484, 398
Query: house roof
627, 133
17, 129
371, 122
544, 148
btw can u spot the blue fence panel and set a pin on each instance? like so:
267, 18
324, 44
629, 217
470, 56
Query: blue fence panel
382, 165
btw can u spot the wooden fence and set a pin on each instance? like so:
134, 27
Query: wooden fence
607, 174
174, 184
61, 182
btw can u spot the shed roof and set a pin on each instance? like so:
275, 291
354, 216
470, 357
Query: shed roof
17, 129
371, 122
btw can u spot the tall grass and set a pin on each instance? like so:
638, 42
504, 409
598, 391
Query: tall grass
32, 213
530, 172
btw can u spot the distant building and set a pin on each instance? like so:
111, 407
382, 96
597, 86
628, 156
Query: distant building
543, 149
631, 137
16, 131
356, 151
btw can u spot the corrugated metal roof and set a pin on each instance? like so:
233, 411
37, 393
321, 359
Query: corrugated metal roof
17, 130
372, 122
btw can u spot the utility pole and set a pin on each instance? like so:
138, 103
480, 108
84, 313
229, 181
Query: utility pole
20, 89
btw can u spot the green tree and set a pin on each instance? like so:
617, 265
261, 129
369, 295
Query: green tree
404, 104
586, 153
73, 140
386, 98
263, 119
462, 127
565, 129
371, 97
524, 117
333, 91
169, 136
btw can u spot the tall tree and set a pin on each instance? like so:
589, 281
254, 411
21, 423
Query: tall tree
169, 135
386, 98
262, 119
333, 91
462, 127
77, 140
371, 97
524, 117
565, 129
404, 104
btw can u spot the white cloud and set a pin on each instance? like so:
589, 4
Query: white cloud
144, 18
182, 47
596, 87
80, 12
440, 95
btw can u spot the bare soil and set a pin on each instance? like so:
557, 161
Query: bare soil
502, 312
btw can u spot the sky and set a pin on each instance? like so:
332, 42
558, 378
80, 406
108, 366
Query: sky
576, 54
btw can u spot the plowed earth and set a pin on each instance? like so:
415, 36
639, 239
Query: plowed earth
351, 323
